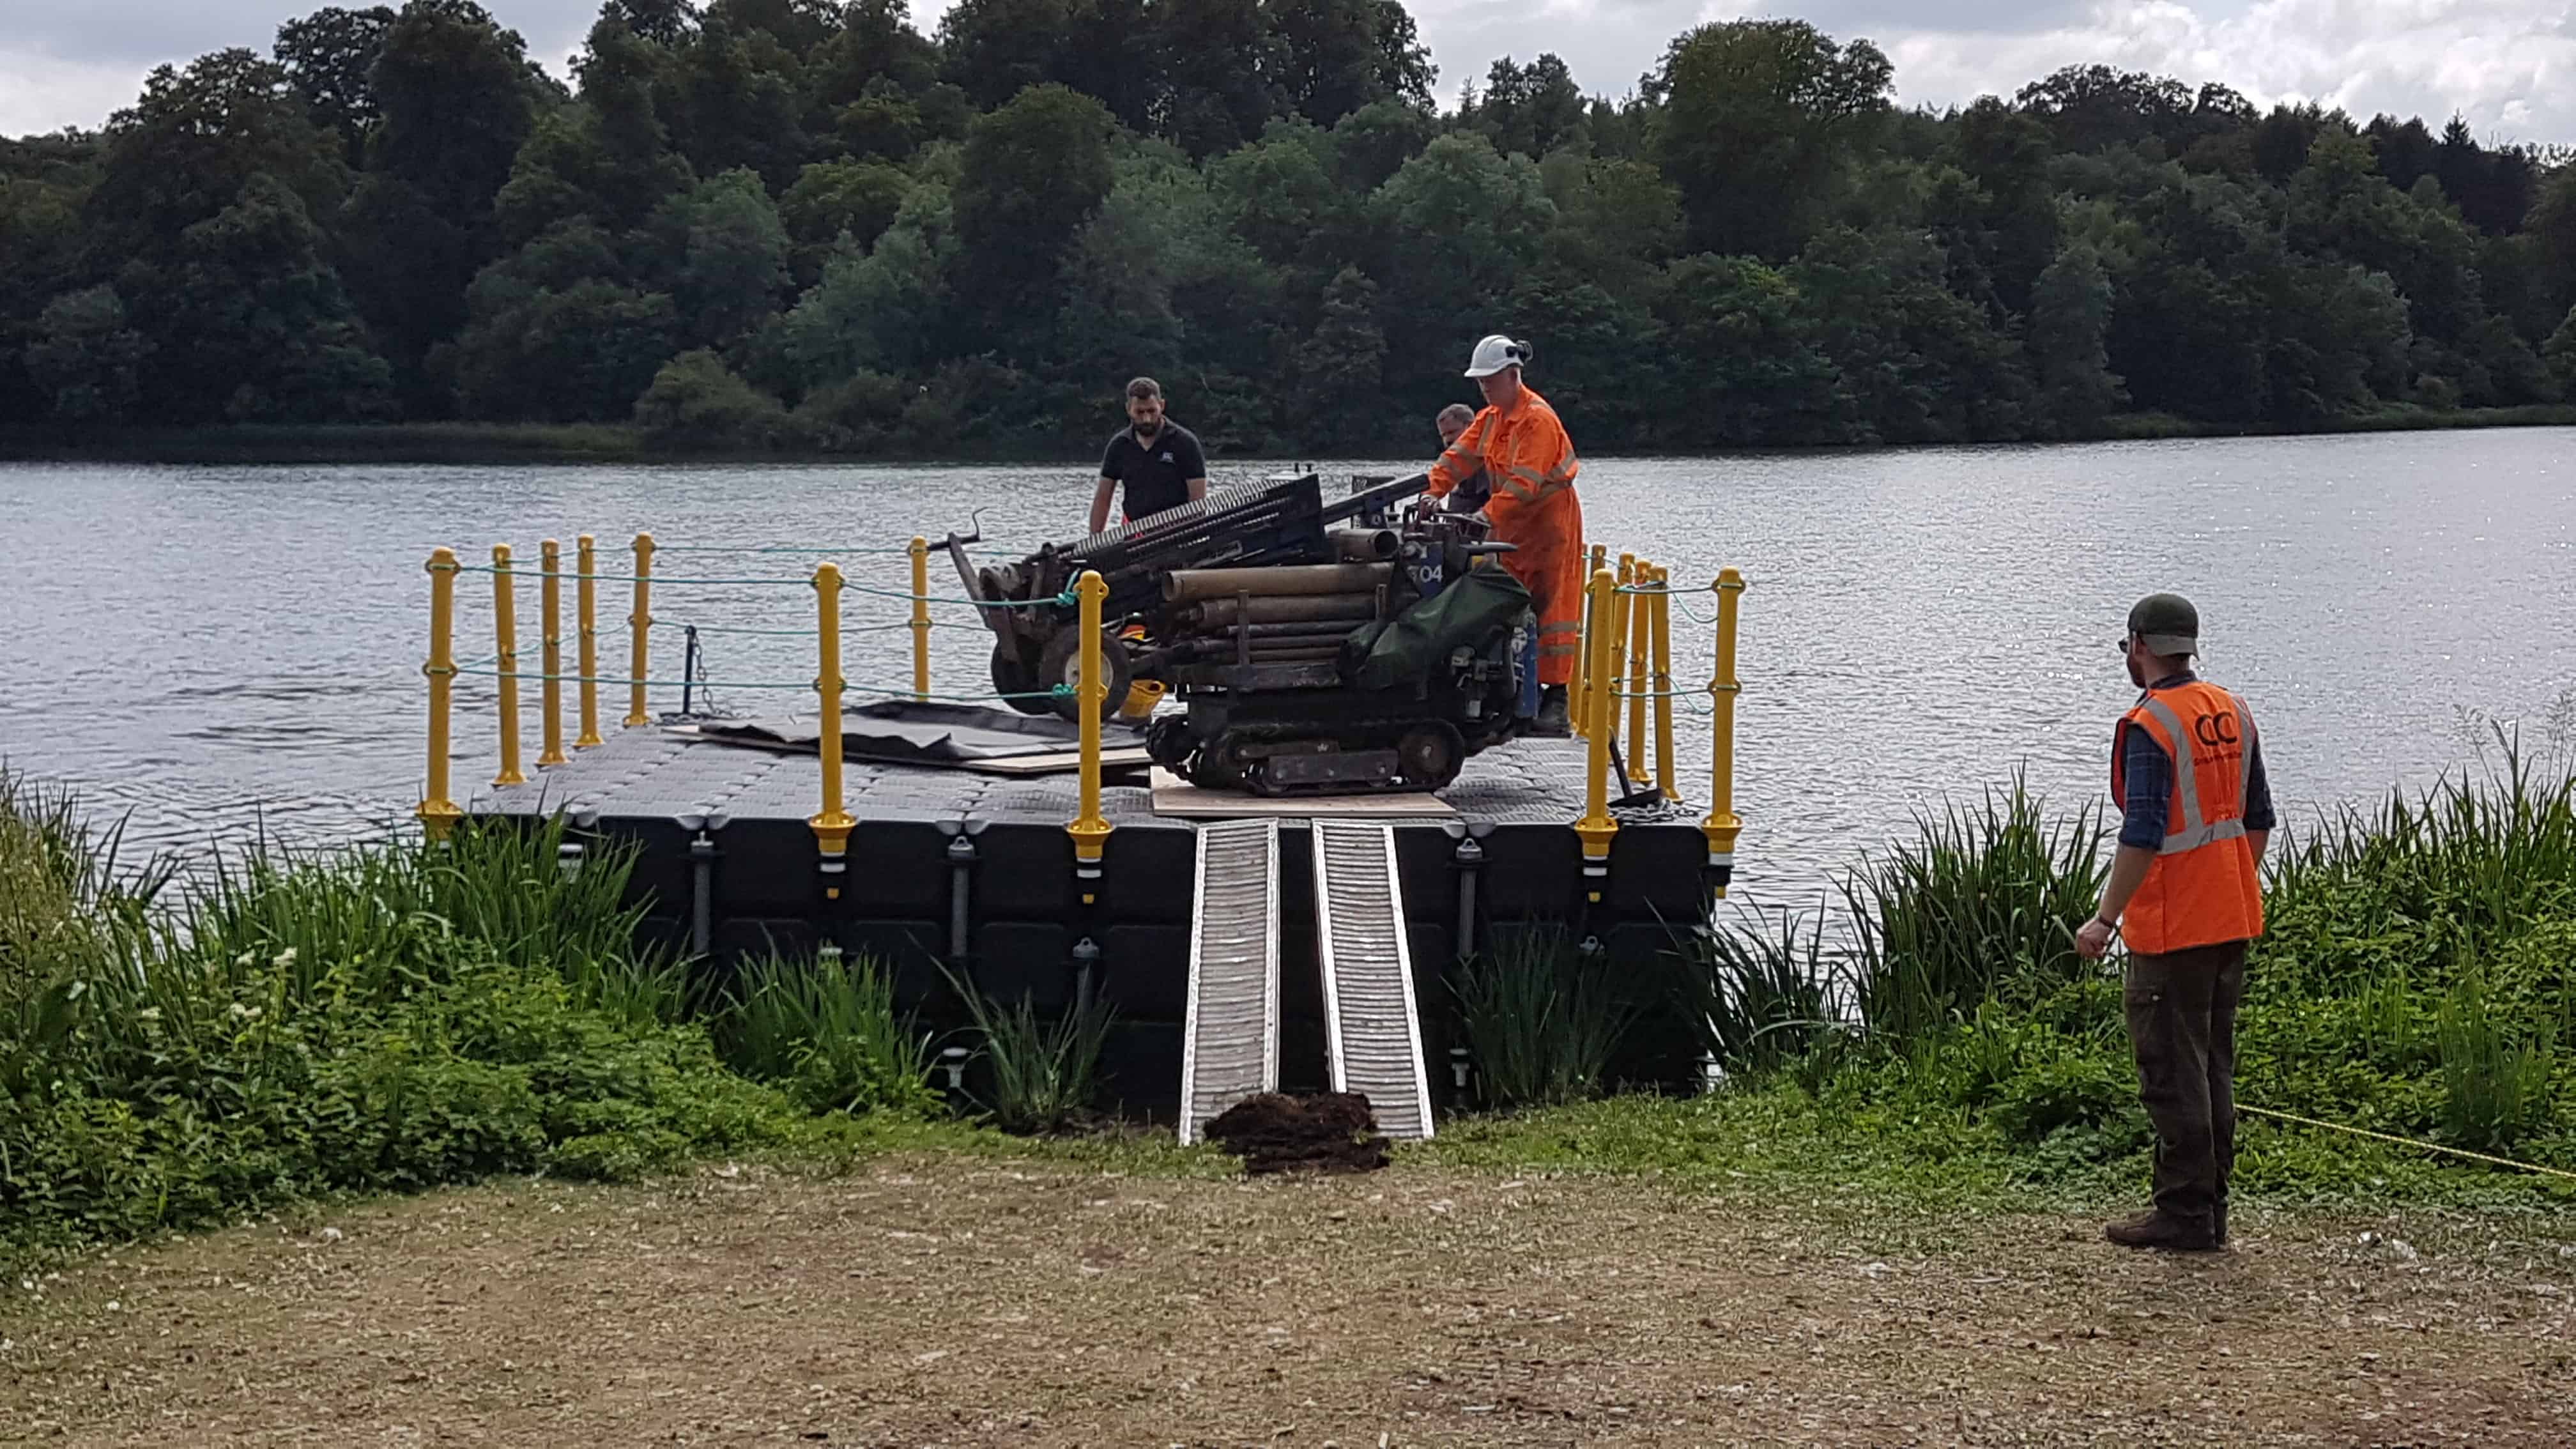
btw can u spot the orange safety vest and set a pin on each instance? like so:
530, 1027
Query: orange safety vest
2202, 889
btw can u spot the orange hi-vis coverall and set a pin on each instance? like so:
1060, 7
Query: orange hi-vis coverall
1530, 464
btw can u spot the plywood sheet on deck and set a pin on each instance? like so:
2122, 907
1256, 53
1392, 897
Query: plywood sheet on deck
1179, 798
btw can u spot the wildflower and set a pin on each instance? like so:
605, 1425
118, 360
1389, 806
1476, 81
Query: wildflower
149, 1014
285, 958
244, 1013
245, 958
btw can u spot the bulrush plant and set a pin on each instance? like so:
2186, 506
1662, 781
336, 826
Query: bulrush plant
1982, 903
1041, 1075
827, 1032
1541, 1019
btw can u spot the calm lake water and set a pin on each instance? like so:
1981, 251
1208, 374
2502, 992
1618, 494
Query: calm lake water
225, 650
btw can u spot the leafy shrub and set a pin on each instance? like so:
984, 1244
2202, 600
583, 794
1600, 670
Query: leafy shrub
695, 401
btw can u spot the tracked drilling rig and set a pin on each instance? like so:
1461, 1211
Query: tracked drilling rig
1366, 643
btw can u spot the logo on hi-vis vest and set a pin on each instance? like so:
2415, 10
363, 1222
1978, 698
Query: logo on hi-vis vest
2216, 730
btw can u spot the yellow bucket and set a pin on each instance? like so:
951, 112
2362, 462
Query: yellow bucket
1142, 696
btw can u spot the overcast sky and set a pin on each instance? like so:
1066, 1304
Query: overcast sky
2508, 65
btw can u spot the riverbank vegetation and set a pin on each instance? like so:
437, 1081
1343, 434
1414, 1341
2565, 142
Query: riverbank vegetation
1930, 1030
178, 1052
794, 225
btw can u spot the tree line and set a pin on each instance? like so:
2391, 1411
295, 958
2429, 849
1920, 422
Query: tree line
804, 223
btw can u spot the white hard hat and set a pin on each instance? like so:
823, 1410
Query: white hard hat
1495, 353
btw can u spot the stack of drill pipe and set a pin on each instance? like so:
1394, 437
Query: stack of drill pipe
1185, 586
1351, 610
1366, 545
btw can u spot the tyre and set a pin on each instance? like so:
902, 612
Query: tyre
1061, 663
1016, 680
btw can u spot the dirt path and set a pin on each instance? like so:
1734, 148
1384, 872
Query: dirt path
956, 1302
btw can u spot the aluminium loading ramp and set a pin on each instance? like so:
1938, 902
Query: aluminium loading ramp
1230, 1042
1372, 1030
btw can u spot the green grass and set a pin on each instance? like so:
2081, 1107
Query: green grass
1039, 1076
1541, 1019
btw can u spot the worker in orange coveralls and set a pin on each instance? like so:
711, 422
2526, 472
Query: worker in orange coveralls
1530, 464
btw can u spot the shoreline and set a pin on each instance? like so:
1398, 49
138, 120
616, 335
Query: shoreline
575, 443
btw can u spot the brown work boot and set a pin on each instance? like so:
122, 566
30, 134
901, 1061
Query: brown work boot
2155, 1230
1553, 721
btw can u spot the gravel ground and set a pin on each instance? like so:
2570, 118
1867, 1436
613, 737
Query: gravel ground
950, 1301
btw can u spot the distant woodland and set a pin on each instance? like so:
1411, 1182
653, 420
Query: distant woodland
796, 224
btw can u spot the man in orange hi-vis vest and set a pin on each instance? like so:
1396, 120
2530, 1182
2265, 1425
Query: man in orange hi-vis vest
1530, 465
2196, 812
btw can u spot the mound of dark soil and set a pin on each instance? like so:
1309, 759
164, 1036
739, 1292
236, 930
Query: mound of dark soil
1327, 1132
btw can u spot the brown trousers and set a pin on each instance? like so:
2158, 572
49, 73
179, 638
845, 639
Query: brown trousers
2182, 1026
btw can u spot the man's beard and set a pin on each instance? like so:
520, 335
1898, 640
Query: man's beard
1145, 431
2137, 676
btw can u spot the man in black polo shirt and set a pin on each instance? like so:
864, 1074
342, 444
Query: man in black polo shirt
1157, 460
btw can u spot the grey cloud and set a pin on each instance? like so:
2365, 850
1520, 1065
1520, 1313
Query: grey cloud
145, 32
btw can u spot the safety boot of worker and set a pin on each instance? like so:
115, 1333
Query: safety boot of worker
1553, 720
2156, 1230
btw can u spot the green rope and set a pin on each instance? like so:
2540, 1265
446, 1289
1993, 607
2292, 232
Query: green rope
1061, 691
777, 548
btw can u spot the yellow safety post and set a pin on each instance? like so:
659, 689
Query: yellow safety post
1640, 628
587, 610
438, 814
1088, 830
1722, 826
642, 620
1596, 827
832, 824
551, 752
920, 551
1585, 681
505, 629
1610, 689
1663, 635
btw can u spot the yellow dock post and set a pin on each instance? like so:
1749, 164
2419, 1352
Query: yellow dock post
1640, 628
1617, 614
505, 664
832, 824
1088, 830
439, 814
1585, 681
642, 619
586, 610
1596, 827
550, 689
1663, 637
920, 551
1721, 826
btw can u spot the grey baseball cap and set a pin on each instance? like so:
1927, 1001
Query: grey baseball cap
2167, 624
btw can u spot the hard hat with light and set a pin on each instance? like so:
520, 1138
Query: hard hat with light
1495, 353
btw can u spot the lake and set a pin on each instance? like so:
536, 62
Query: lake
222, 651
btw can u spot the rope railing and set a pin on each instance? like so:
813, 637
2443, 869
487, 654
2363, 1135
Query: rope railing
1622, 677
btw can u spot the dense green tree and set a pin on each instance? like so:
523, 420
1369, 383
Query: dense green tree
1033, 173
1530, 109
1742, 367
184, 151
249, 324
1340, 366
1334, 57
766, 222
2070, 322
330, 57
84, 357
1759, 123
454, 107
1918, 362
